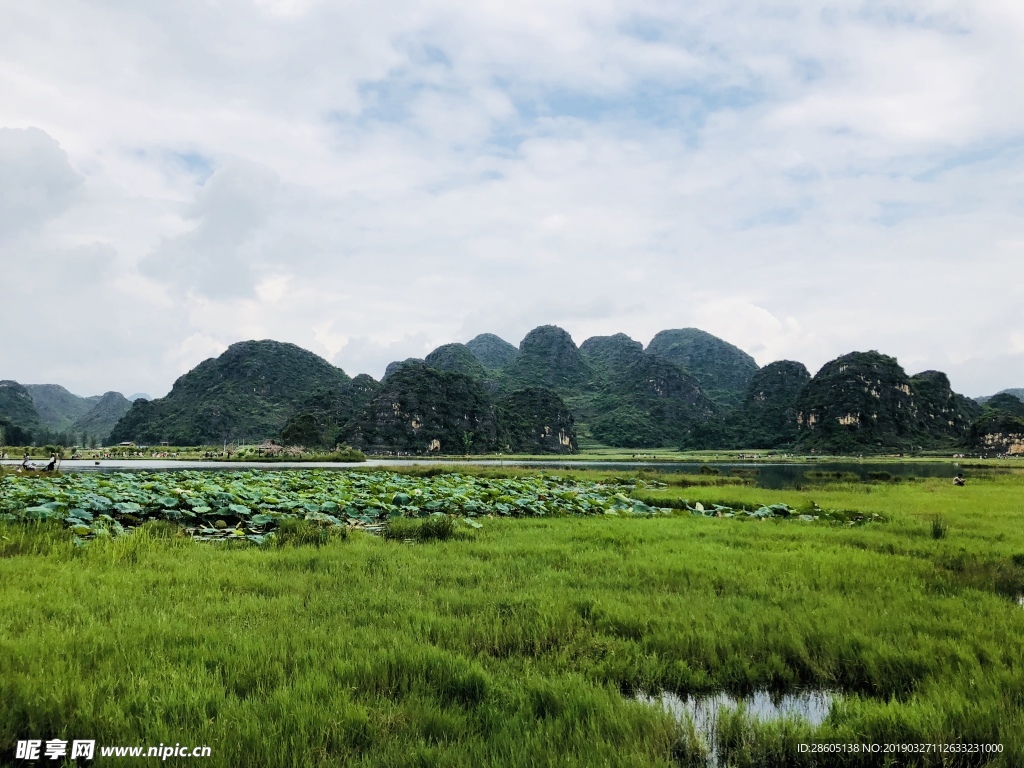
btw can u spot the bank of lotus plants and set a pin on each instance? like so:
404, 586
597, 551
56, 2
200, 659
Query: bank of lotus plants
217, 505
252, 504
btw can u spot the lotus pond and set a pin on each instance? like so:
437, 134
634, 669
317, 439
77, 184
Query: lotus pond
252, 504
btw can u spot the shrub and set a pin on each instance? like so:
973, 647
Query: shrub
160, 529
431, 529
307, 533
437, 529
402, 529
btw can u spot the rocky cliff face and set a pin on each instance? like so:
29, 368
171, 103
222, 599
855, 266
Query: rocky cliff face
767, 418
248, 392
648, 403
857, 402
999, 430
536, 420
864, 401
420, 409
722, 370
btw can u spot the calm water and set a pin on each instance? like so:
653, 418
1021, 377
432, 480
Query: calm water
704, 711
765, 475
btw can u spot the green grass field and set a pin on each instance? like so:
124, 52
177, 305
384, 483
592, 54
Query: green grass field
525, 642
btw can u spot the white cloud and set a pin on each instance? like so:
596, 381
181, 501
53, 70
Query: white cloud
371, 181
37, 183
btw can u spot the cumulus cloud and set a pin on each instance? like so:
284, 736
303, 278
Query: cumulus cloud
37, 183
802, 179
221, 254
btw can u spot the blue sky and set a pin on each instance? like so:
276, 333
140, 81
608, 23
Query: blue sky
370, 181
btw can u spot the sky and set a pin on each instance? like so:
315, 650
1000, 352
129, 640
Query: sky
371, 180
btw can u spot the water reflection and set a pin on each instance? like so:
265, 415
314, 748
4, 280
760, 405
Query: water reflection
764, 475
704, 711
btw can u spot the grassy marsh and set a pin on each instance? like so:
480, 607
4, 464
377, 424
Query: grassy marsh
524, 642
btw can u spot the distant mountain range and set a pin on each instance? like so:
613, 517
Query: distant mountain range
50, 413
1018, 393
687, 388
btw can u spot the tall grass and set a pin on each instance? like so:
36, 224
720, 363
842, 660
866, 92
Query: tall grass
515, 646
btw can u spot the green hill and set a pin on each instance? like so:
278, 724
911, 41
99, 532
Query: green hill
548, 357
767, 417
319, 420
610, 354
102, 417
723, 370
623, 397
456, 358
249, 392
999, 429
649, 402
58, 408
943, 416
492, 351
397, 364
16, 406
1018, 393
420, 409
536, 420
1008, 402
864, 402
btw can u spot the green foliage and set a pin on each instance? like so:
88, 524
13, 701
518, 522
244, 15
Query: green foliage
649, 402
321, 418
767, 417
547, 357
611, 354
492, 351
723, 370
293, 532
1006, 403
103, 416
440, 528
247, 392
303, 429
626, 426
455, 358
943, 417
14, 435
997, 431
18, 410
58, 408
250, 504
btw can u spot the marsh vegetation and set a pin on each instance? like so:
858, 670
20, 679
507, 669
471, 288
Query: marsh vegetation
531, 640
